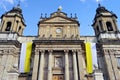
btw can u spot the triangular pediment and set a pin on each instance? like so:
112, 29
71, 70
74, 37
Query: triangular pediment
58, 19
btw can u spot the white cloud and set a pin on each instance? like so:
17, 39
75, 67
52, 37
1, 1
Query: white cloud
10, 1
22, 0
82, 0
4, 7
5, 3
98, 0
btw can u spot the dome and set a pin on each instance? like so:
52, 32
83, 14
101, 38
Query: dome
101, 9
16, 9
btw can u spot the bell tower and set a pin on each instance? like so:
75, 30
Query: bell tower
13, 21
105, 24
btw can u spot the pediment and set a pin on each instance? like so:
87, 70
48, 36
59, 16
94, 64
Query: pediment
58, 19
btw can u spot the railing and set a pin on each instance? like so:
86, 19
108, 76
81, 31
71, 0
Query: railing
109, 36
8, 36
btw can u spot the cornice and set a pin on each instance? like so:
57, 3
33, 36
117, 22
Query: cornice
59, 42
70, 19
10, 42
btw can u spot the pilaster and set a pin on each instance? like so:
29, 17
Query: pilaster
114, 65
80, 65
109, 65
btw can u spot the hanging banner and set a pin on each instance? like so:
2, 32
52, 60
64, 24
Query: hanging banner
88, 57
91, 56
25, 55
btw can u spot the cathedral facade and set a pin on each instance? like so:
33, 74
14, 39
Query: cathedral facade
58, 51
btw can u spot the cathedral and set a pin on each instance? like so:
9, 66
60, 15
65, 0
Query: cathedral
59, 52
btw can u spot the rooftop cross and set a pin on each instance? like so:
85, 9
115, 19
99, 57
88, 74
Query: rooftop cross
98, 1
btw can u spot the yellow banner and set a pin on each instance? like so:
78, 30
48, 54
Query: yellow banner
27, 57
89, 57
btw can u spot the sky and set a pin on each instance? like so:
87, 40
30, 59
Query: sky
85, 10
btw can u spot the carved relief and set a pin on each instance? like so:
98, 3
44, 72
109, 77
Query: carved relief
66, 51
58, 62
1, 51
42, 51
5, 51
74, 51
37, 52
116, 52
50, 50
79, 51
105, 51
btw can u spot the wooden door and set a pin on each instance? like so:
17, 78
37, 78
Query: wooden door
58, 77
61, 77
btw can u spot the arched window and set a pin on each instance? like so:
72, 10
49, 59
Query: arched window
8, 27
109, 26
97, 28
101, 25
19, 28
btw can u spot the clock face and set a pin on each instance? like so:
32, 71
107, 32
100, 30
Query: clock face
58, 30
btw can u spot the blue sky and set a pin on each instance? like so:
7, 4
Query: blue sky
85, 10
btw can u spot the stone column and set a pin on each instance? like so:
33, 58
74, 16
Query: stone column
50, 65
35, 66
41, 69
80, 65
75, 65
66, 65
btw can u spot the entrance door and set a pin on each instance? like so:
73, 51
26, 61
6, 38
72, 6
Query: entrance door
58, 77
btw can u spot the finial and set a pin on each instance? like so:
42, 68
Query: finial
41, 15
60, 8
75, 15
18, 5
99, 5
71, 15
45, 15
